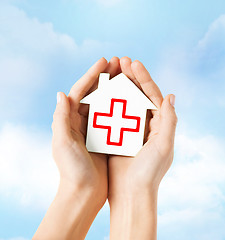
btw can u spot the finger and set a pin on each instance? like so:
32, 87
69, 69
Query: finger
61, 119
168, 122
147, 84
113, 67
125, 63
81, 87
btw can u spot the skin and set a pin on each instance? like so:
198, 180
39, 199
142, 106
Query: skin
134, 181
83, 185
87, 179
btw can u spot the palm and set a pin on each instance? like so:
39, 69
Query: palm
91, 164
123, 171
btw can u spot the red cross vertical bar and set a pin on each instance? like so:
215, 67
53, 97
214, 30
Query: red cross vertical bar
122, 129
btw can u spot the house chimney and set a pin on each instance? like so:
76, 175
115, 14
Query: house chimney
103, 78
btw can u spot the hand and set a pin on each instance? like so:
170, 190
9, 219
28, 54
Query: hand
78, 168
75, 163
83, 185
134, 181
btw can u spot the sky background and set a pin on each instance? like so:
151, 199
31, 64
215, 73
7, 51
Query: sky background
46, 46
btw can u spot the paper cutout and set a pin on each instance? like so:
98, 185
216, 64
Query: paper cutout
117, 115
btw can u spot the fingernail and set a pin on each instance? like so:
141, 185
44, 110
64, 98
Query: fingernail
58, 97
172, 100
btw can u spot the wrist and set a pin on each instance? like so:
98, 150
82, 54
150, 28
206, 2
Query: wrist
132, 201
70, 214
83, 193
131, 191
133, 215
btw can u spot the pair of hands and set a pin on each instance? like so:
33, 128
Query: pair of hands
113, 175
97, 176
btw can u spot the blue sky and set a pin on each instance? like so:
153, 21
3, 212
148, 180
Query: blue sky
45, 46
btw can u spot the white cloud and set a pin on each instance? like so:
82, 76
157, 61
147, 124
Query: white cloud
28, 174
215, 36
210, 51
33, 56
192, 195
31, 51
29, 56
196, 74
27, 46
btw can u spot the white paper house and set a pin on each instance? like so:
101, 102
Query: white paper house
117, 115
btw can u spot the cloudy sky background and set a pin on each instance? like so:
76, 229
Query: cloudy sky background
45, 46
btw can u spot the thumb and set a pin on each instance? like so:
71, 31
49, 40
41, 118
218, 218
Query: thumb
61, 119
168, 122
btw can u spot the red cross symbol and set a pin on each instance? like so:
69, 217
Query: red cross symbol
118, 131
